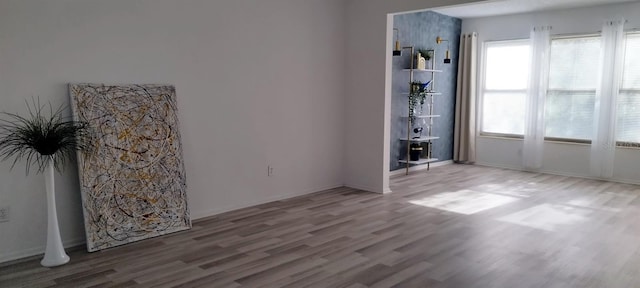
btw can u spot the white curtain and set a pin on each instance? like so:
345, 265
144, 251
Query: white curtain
534, 109
604, 142
464, 139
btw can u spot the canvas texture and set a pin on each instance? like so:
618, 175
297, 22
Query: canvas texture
133, 181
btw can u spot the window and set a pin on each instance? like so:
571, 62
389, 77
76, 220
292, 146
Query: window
573, 77
628, 121
505, 87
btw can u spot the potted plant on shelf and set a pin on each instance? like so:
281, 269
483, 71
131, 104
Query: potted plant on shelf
426, 54
417, 95
47, 142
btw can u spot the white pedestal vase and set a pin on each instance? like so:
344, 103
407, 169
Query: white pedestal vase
54, 254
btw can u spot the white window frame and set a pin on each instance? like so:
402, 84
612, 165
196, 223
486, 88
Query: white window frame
570, 140
626, 144
483, 89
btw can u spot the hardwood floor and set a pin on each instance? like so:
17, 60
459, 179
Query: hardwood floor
455, 226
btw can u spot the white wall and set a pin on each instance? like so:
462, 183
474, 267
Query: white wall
258, 82
559, 158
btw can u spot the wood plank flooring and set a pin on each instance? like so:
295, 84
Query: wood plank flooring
454, 226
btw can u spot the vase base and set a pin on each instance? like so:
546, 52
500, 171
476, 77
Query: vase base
55, 262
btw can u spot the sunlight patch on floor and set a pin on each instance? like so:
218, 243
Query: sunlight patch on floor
464, 201
549, 217
512, 189
606, 201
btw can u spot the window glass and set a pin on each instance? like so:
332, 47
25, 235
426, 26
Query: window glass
505, 87
573, 77
503, 113
628, 122
507, 66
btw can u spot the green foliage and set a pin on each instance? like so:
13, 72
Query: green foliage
418, 87
417, 95
40, 138
426, 54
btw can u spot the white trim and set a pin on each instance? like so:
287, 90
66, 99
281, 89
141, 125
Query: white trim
39, 250
480, 163
216, 211
386, 190
419, 168
552, 172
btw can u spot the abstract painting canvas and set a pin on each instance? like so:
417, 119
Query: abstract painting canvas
132, 181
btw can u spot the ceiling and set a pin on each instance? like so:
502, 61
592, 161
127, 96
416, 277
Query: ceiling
505, 7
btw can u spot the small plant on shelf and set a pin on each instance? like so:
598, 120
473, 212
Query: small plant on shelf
426, 54
417, 96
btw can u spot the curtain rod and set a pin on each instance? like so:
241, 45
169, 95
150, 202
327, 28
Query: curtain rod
588, 34
566, 35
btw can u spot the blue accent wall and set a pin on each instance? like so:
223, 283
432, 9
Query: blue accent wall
420, 30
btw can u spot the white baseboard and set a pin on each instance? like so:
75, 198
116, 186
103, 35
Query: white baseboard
421, 167
560, 173
618, 180
216, 211
499, 166
34, 251
368, 189
626, 181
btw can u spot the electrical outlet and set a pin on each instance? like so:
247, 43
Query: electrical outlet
4, 214
269, 170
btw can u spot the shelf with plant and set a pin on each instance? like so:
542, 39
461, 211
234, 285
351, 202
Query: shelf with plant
427, 54
420, 139
422, 116
428, 93
419, 161
417, 96
422, 70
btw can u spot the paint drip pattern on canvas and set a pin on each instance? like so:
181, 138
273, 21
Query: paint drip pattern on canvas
133, 180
